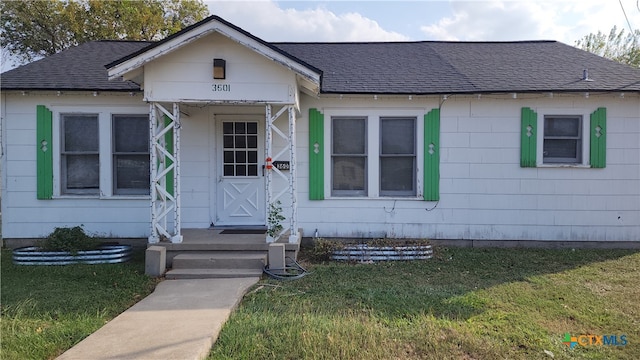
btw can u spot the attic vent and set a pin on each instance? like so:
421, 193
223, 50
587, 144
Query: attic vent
585, 75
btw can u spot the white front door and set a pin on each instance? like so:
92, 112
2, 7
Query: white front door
240, 191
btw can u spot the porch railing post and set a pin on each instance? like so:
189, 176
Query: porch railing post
268, 153
293, 229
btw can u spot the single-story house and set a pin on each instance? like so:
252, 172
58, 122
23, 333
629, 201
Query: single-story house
213, 127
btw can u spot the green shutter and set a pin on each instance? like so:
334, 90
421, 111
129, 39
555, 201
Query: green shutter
316, 155
44, 158
528, 137
432, 155
168, 138
598, 145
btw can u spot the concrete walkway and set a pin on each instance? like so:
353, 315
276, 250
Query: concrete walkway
181, 319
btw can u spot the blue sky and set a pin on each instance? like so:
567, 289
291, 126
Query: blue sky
454, 20
471, 20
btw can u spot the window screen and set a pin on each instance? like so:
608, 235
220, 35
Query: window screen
397, 156
80, 159
131, 154
562, 139
349, 156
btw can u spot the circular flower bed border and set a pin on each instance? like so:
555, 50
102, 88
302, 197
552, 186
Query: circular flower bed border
364, 252
105, 254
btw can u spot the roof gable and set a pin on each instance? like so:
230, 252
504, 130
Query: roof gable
130, 65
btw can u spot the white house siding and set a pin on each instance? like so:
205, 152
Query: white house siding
23, 215
484, 193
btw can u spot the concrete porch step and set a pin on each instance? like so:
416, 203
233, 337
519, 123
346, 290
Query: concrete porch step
176, 274
221, 260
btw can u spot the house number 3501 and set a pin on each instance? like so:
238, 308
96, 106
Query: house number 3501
220, 87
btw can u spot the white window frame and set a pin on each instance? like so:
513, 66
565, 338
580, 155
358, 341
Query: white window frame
585, 126
104, 113
373, 116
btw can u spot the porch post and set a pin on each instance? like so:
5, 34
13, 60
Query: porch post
268, 153
294, 236
154, 236
164, 165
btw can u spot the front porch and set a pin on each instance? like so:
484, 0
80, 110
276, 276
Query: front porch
220, 253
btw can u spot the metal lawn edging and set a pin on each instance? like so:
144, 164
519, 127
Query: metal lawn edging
364, 252
105, 254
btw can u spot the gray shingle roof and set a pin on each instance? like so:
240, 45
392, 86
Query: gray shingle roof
77, 68
461, 67
372, 68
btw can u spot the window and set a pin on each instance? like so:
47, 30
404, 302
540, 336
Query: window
130, 154
80, 154
349, 156
397, 156
562, 139
240, 153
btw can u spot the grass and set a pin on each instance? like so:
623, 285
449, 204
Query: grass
47, 309
463, 304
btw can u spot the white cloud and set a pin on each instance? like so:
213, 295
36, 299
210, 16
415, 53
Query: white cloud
269, 22
563, 20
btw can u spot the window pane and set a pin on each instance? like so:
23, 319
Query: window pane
228, 170
398, 136
82, 171
252, 142
228, 141
131, 133
132, 172
349, 136
253, 170
253, 156
348, 173
252, 128
561, 148
241, 170
396, 174
241, 142
80, 132
228, 156
240, 128
241, 156
227, 128
562, 126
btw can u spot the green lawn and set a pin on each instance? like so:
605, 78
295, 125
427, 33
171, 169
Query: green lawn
47, 309
463, 304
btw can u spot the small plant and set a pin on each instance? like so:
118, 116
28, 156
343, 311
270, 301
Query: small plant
274, 219
70, 239
323, 249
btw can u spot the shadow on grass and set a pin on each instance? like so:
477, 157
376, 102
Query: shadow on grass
437, 286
